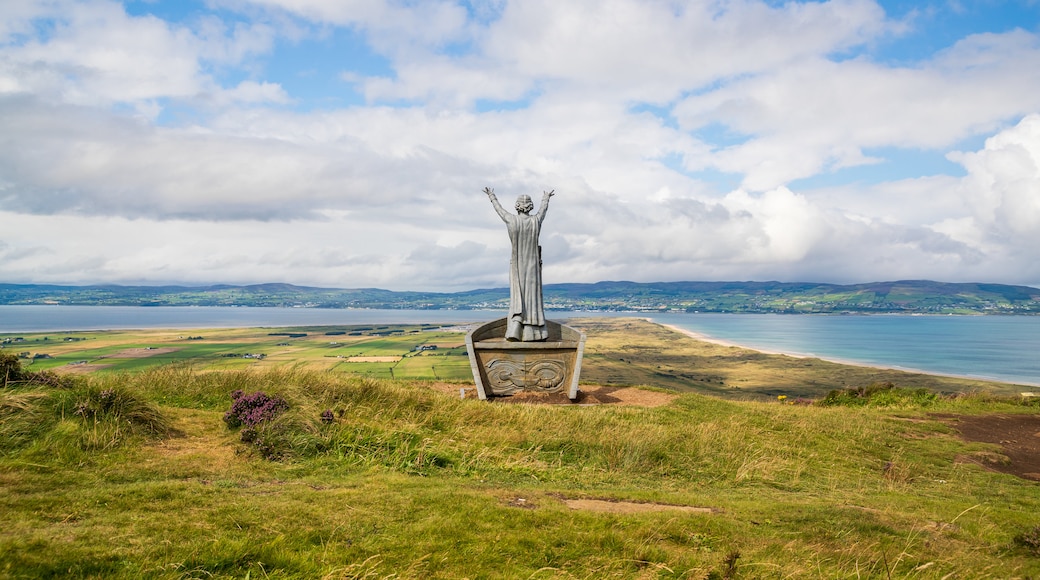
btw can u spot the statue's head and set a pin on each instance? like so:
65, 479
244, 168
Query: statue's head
524, 204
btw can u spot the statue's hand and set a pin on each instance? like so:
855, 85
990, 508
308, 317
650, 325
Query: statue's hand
489, 191
549, 193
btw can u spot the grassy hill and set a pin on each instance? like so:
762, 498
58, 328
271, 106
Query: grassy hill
923, 296
136, 474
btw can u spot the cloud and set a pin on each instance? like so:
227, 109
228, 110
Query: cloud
1003, 186
345, 250
18, 17
623, 50
396, 29
588, 236
94, 54
139, 148
819, 115
251, 92
61, 159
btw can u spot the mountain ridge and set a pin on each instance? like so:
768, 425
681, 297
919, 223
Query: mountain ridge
899, 296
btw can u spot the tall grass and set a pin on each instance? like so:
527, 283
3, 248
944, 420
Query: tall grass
55, 416
21, 417
130, 475
407, 428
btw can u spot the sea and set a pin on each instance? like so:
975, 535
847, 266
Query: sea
1002, 348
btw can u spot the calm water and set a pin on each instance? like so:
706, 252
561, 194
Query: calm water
56, 318
1005, 348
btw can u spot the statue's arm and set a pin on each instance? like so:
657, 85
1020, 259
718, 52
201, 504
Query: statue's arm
502, 213
545, 204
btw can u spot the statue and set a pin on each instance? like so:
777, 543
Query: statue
526, 321
523, 353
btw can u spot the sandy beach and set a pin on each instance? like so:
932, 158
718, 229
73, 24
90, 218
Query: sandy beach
712, 340
709, 339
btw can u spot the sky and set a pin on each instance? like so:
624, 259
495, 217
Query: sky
346, 143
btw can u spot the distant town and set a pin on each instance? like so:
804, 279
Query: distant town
909, 296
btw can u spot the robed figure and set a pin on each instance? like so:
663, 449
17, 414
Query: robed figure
526, 311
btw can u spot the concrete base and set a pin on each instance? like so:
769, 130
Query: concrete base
502, 368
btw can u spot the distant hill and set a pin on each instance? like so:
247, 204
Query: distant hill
913, 296
904, 296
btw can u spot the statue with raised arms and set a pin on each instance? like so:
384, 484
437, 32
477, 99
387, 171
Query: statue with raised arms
526, 320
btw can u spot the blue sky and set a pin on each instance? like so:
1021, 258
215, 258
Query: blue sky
345, 143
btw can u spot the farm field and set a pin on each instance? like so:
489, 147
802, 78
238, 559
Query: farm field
619, 352
374, 351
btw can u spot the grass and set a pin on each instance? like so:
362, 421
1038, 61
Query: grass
148, 481
619, 352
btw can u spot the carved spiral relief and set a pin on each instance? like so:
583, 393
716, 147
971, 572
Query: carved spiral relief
546, 375
508, 376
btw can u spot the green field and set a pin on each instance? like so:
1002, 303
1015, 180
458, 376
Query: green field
120, 473
222, 349
619, 352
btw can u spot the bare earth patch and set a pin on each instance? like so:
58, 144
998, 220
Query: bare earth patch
365, 359
594, 394
630, 507
142, 352
612, 506
587, 395
1017, 435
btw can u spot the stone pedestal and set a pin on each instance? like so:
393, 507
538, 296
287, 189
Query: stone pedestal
503, 368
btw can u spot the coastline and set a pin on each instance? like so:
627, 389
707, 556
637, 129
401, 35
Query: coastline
720, 342
711, 340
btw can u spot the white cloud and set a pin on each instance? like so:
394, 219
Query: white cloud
1003, 186
241, 183
69, 160
623, 50
652, 50
95, 54
394, 28
351, 250
818, 115
251, 92
452, 239
17, 16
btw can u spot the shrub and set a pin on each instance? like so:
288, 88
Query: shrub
79, 418
256, 413
11, 372
288, 436
251, 410
120, 407
879, 395
10, 368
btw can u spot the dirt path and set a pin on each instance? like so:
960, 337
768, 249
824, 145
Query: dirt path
629, 507
1017, 435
